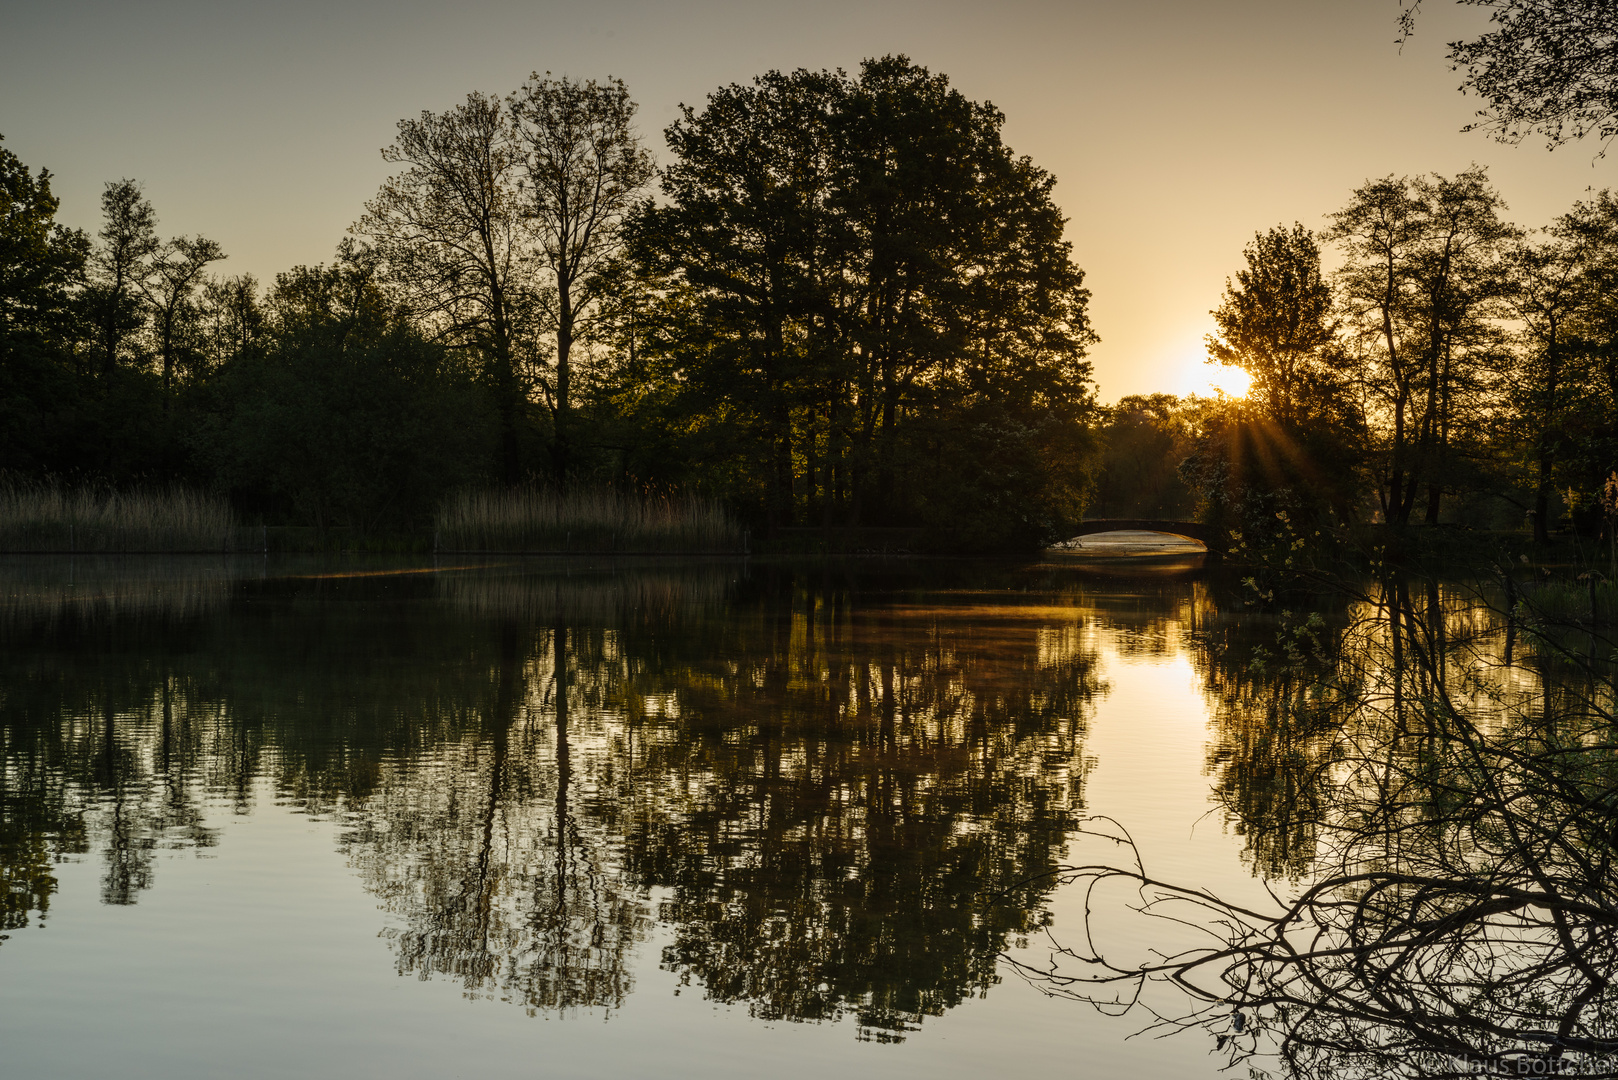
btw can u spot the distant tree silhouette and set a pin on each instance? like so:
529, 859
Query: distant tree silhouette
1144, 439
230, 318
341, 414
120, 269
1550, 289
174, 274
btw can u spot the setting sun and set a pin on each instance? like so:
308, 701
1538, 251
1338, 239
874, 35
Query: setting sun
1187, 370
1230, 381
1195, 375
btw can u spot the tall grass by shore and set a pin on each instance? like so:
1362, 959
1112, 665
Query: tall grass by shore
593, 522
52, 518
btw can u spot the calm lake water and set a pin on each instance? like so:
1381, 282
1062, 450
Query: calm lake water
720, 819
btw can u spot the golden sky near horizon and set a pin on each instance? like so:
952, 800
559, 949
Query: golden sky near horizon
1175, 128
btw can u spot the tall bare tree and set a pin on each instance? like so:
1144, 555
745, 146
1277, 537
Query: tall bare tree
450, 229
583, 167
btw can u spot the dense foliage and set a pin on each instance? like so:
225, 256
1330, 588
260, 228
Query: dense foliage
863, 309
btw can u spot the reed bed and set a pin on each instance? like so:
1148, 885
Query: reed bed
585, 522
51, 518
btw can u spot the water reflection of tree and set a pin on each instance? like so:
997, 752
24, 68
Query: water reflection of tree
849, 800
95, 745
478, 848
1460, 915
1275, 718
839, 796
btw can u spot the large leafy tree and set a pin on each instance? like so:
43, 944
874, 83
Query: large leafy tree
1293, 445
868, 286
1276, 322
743, 241
41, 265
972, 313
40, 261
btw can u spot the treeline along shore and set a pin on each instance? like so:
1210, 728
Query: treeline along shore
841, 304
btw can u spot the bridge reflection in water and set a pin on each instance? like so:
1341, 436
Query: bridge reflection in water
1135, 539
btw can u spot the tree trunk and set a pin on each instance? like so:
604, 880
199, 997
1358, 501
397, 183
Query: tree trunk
1542, 490
562, 452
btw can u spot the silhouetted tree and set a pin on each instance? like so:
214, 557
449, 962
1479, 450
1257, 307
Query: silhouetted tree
583, 166
738, 246
865, 283
452, 236
1549, 294
344, 415
1144, 438
1423, 272
1276, 323
1288, 454
173, 275
40, 261
230, 317
120, 268
1576, 420
41, 267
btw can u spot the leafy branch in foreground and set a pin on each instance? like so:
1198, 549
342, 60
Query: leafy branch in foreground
1548, 67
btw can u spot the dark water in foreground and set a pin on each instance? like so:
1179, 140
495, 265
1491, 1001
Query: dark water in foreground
703, 819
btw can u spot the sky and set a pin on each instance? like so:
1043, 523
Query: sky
1176, 129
